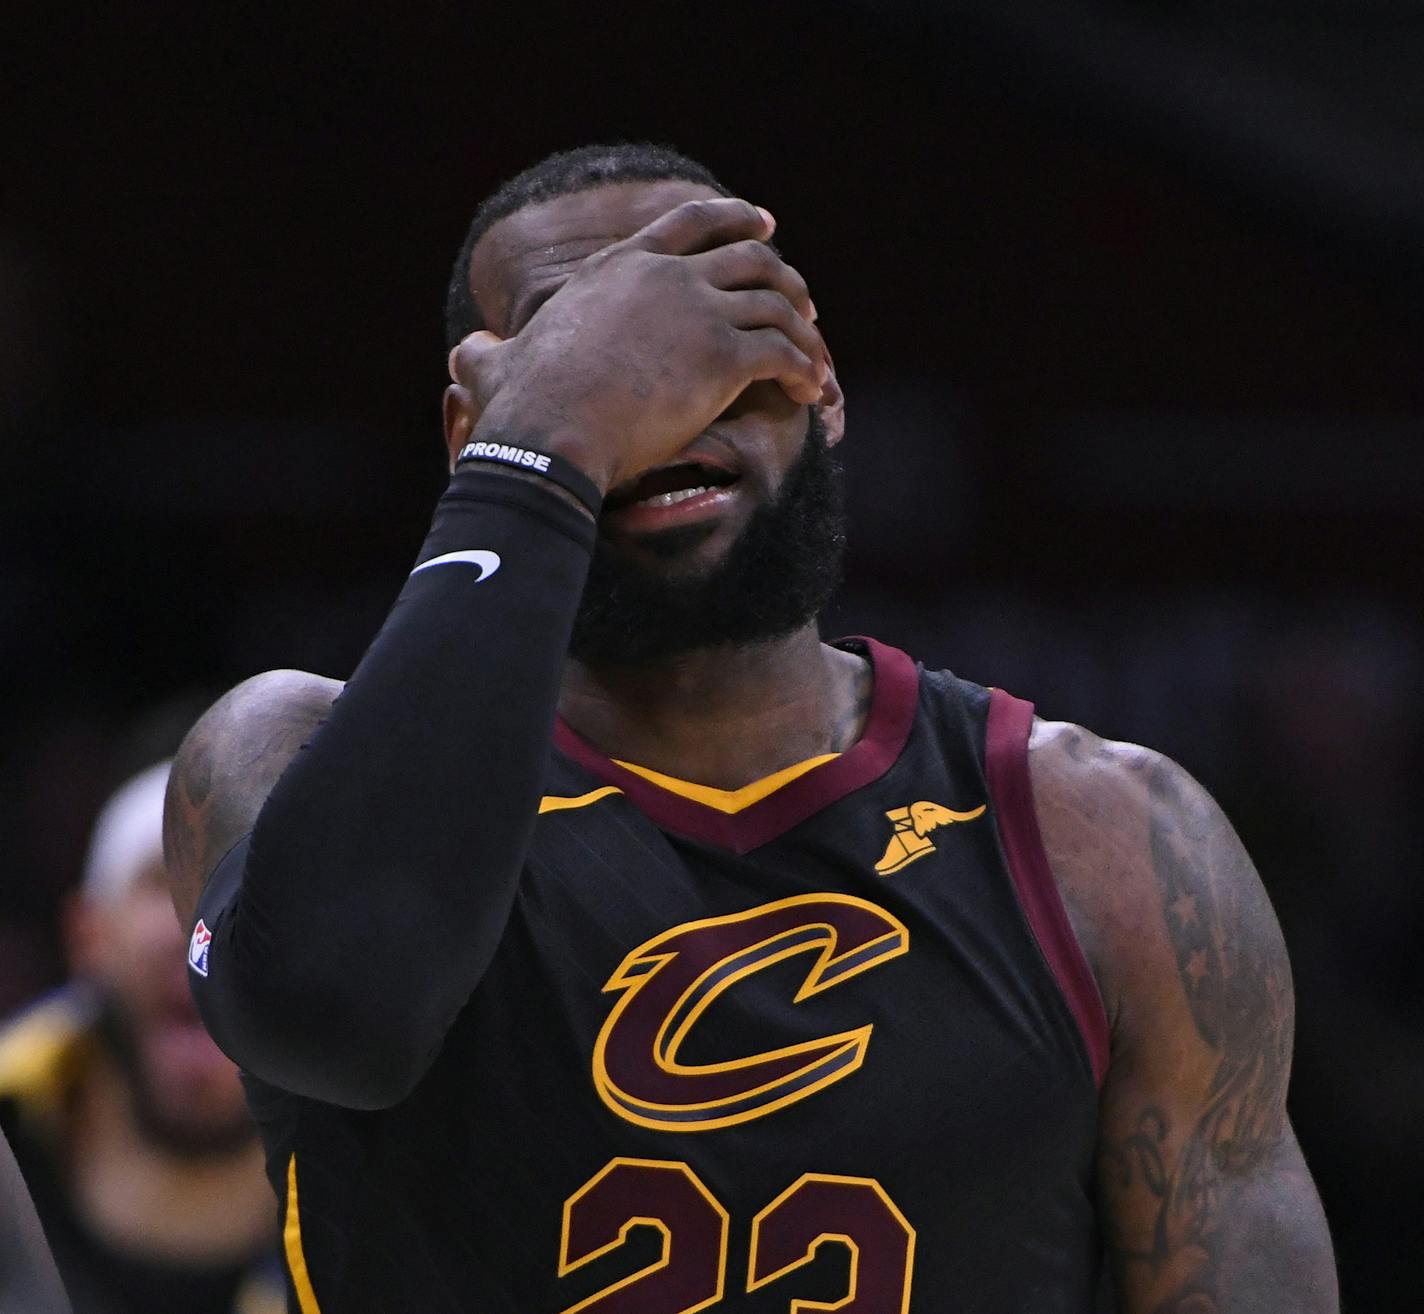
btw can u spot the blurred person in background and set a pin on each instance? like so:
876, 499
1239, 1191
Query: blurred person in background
28, 1281
129, 1124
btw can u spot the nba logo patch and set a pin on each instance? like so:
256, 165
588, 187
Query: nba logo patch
198, 948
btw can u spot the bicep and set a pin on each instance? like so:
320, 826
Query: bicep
226, 767
1206, 1201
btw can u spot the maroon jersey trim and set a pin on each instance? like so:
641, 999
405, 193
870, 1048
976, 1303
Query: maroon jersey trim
1006, 766
887, 727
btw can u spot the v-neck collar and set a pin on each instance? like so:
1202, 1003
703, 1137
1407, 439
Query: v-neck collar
887, 727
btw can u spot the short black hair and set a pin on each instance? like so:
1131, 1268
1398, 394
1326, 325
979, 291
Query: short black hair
562, 174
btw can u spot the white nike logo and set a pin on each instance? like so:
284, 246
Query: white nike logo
488, 562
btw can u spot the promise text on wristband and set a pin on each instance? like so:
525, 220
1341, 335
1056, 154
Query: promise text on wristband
548, 464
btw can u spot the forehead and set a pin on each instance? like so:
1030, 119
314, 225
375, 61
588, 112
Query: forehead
542, 244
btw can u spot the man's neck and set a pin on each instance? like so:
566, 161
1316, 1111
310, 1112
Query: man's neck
726, 716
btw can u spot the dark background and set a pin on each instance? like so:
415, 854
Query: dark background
1127, 302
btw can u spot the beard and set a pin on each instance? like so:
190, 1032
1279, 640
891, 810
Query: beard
160, 1122
777, 575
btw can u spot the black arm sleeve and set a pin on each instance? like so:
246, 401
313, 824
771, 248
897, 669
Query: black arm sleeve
349, 928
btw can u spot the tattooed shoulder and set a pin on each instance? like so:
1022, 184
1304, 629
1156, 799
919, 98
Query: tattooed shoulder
226, 767
1194, 1145
1147, 861
1230, 956
1089, 796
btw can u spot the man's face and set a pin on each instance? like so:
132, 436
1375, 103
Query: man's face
753, 563
186, 1092
524, 258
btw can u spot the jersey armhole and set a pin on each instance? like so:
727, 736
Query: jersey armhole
1011, 791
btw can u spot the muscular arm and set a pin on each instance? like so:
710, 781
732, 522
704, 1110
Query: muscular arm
227, 766
354, 852
1206, 1203
351, 923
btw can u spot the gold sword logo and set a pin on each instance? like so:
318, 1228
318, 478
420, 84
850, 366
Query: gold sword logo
910, 840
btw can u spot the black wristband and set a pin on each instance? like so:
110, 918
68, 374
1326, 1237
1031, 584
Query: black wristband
548, 464
476, 486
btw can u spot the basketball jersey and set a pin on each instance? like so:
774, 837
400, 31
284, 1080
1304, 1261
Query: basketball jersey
828, 1043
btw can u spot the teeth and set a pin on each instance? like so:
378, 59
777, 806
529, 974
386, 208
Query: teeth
674, 497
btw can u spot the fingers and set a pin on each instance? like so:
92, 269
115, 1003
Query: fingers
697, 226
472, 361
767, 353
763, 308
754, 264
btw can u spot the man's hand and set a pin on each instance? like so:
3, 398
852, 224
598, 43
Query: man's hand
648, 342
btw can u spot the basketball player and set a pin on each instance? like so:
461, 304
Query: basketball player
612, 943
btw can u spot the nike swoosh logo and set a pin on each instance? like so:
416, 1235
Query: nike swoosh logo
488, 562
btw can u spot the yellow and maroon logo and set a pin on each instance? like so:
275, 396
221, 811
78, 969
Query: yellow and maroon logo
910, 839
669, 982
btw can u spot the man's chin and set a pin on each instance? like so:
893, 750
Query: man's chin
187, 1095
715, 582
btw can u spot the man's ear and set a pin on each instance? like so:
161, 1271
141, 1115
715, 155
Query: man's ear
832, 405
460, 417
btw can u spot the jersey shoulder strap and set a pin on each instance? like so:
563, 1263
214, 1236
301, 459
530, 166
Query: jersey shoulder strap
995, 727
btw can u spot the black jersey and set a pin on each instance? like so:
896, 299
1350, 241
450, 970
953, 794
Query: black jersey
835, 1047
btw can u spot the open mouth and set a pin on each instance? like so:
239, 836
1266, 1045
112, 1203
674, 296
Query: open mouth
669, 485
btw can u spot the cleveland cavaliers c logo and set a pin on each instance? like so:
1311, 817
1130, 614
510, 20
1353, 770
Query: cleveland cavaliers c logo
668, 982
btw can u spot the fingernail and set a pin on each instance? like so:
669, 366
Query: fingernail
450, 365
768, 216
815, 315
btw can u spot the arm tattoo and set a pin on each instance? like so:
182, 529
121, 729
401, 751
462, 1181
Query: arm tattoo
185, 821
223, 772
1233, 969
